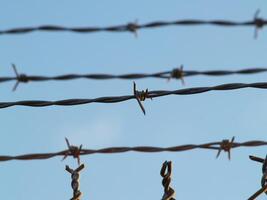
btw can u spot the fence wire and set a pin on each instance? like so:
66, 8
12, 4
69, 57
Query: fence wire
224, 145
138, 95
134, 26
177, 73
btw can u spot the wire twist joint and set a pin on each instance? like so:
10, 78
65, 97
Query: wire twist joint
166, 172
75, 181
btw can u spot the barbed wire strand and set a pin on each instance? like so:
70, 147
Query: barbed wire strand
133, 27
263, 179
176, 73
137, 95
217, 146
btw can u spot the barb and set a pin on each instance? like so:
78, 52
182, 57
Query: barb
140, 96
74, 151
259, 23
226, 146
177, 73
263, 179
149, 94
20, 78
133, 27
215, 146
169, 193
75, 181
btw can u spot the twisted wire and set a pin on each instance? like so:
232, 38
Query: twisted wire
133, 27
263, 179
175, 73
166, 172
75, 181
217, 146
149, 94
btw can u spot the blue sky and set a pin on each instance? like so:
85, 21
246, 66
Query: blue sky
172, 120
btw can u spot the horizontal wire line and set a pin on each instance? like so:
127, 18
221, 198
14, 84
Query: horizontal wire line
141, 149
133, 27
163, 75
149, 94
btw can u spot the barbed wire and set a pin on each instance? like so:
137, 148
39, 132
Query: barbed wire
134, 26
138, 95
176, 73
225, 145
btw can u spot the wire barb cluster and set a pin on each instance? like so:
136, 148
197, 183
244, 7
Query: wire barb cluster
264, 176
215, 146
74, 151
146, 94
20, 78
166, 172
133, 27
178, 73
226, 146
75, 181
140, 96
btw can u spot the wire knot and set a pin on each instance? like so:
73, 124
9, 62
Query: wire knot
259, 23
75, 181
166, 172
21, 78
74, 151
226, 146
178, 73
132, 27
141, 96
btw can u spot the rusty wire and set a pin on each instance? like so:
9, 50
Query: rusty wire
166, 172
133, 27
263, 179
74, 151
148, 94
176, 73
75, 181
217, 146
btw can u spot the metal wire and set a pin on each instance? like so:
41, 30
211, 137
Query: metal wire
263, 179
177, 73
75, 181
134, 27
166, 172
217, 146
148, 94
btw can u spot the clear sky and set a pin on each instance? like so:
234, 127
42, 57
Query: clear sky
171, 120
